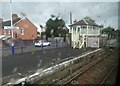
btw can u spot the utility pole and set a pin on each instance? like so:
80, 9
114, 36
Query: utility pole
11, 27
70, 38
70, 18
41, 36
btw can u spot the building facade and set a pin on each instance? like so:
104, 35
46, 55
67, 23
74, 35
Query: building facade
22, 28
89, 29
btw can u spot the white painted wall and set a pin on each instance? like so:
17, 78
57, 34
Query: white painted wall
93, 42
75, 37
89, 31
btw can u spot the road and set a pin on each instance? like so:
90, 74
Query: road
31, 61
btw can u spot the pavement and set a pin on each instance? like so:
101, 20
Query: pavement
27, 62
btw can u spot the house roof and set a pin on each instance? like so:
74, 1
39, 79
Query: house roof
8, 23
15, 21
81, 22
85, 21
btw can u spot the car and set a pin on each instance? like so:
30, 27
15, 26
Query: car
43, 43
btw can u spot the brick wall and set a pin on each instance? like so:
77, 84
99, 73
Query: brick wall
28, 30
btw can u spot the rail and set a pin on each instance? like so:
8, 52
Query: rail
106, 77
84, 69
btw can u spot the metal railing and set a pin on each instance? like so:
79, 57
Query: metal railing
29, 47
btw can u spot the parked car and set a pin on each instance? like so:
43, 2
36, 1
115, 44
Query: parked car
43, 43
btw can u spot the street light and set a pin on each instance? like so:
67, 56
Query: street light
11, 26
41, 35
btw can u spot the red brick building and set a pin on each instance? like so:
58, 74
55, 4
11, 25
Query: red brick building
23, 28
27, 28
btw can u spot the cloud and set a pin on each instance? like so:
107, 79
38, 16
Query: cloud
60, 0
39, 12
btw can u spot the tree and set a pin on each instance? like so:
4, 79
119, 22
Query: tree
117, 34
55, 27
110, 31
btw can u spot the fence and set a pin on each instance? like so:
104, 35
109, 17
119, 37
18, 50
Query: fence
28, 46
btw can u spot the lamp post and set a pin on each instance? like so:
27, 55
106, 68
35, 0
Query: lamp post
11, 27
42, 36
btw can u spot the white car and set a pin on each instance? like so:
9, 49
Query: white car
43, 43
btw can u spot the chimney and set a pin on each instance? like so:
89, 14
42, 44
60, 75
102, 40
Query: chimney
14, 16
75, 21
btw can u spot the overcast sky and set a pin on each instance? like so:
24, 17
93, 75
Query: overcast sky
105, 13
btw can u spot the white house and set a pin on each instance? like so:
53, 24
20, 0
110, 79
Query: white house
85, 33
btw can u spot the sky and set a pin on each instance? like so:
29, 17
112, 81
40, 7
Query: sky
105, 13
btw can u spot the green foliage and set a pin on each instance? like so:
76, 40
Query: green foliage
117, 33
109, 31
55, 27
38, 33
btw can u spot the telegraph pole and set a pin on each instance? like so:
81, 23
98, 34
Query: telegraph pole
70, 18
70, 38
11, 27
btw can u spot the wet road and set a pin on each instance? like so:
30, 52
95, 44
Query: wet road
31, 61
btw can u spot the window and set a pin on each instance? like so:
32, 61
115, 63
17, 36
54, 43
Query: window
91, 27
78, 29
95, 30
83, 29
22, 31
84, 26
89, 30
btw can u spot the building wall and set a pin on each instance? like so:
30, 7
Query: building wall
88, 30
93, 42
24, 29
28, 30
92, 33
1, 31
75, 37
4, 32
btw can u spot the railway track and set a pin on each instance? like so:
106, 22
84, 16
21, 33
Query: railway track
82, 70
78, 73
76, 69
107, 76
